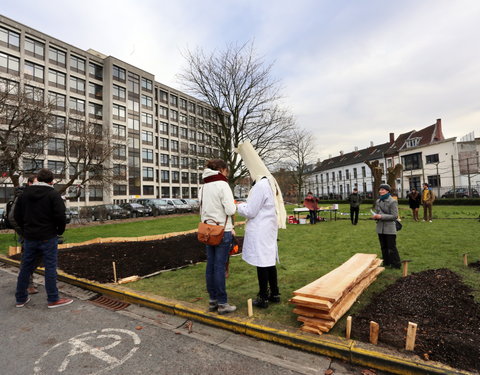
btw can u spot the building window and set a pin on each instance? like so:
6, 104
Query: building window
119, 151
57, 167
175, 161
133, 105
184, 177
57, 124
174, 100
32, 165
173, 115
183, 104
174, 145
163, 112
95, 111
175, 177
133, 142
34, 48
34, 71
119, 131
77, 106
9, 38
147, 155
118, 112
174, 130
193, 178
164, 144
118, 93
8, 87
77, 64
347, 174
34, 93
57, 56
183, 119
119, 171
147, 119
147, 84
77, 85
118, 73
147, 102
163, 96
354, 172
119, 189
56, 146
413, 142
58, 101
9, 64
133, 122
57, 79
412, 161
147, 174
75, 126
147, 137
165, 176
183, 133
434, 181
133, 83
95, 91
184, 162
163, 128
95, 71
164, 160
364, 172
430, 159
333, 176
191, 107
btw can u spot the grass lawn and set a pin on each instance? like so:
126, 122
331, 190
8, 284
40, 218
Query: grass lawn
308, 252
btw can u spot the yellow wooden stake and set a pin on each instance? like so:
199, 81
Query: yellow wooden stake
405, 267
348, 329
374, 329
411, 334
114, 272
465, 259
250, 307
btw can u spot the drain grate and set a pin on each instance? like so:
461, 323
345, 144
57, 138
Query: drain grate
109, 303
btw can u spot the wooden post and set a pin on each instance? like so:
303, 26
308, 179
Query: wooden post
250, 307
405, 267
114, 272
411, 334
465, 259
374, 329
348, 329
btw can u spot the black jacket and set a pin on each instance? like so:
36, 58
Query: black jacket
40, 212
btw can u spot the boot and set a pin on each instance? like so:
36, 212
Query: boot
260, 302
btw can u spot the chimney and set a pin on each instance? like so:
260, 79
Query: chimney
341, 153
371, 143
356, 148
392, 138
329, 156
438, 130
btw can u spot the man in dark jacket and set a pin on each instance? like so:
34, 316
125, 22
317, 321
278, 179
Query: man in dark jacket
40, 213
354, 199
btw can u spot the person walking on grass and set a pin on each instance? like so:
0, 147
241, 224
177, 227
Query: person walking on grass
355, 200
414, 199
40, 213
428, 197
386, 212
311, 203
217, 204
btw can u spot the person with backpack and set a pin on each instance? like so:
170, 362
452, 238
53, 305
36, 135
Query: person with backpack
40, 213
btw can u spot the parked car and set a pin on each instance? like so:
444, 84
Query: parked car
136, 209
178, 205
461, 193
109, 212
158, 206
193, 203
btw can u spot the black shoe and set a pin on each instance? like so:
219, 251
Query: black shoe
260, 302
274, 299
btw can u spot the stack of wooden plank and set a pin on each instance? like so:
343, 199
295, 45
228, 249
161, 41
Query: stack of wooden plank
323, 302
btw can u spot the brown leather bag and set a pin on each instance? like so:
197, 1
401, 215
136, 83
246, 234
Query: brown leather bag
210, 234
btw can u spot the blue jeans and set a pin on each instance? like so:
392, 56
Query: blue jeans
32, 249
217, 257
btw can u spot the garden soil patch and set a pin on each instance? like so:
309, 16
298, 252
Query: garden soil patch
94, 262
475, 265
448, 318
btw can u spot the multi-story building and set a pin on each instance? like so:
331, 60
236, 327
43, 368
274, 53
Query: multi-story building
161, 136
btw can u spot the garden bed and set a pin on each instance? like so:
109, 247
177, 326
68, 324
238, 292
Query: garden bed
142, 258
437, 300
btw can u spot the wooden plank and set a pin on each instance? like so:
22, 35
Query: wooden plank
374, 329
312, 313
321, 324
411, 334
332, 285
312, 302
309, 329
348, 328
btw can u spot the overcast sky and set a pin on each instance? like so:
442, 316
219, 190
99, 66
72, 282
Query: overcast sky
351, 71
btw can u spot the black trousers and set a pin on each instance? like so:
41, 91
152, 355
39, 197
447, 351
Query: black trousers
354, 214
388, 244
267, 276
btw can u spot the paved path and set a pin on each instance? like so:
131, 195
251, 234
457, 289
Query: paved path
83, 338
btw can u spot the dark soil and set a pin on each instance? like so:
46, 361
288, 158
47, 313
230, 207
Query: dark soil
448, 318
475, 265
94, 262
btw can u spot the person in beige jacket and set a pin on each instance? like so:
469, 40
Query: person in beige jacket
428, 197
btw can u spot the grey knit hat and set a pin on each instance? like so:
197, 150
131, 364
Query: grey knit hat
385, 186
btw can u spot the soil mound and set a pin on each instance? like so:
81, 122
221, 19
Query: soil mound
94, 262
475, 265
448, 318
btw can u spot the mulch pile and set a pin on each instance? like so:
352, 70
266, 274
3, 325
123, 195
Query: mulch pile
94, 262
448, 318
475, 265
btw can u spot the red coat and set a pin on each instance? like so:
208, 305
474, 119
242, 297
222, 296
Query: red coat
311, 202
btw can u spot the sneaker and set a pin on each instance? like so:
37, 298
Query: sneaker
260, 302
21, 304
225, 308
32, 290
430, 221
212, 306
61, 302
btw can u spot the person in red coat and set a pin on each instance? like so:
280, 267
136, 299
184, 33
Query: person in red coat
311, 203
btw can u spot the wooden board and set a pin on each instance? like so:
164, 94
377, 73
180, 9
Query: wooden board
312, 302
322, 325
307, 328
333, 285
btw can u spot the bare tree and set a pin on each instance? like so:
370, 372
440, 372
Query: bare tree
245, 100
301, 148
392, 174
377, 173
24, 115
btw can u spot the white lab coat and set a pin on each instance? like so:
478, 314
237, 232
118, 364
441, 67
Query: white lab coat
260, 243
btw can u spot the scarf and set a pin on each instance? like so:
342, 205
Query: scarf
384, 197
217, 177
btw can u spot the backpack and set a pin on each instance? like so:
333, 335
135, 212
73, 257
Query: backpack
10, 209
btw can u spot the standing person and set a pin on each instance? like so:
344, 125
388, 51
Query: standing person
386, 212
355, 200
217, 204
40, 213
414, 199
428, 197
265, 213
311, 203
